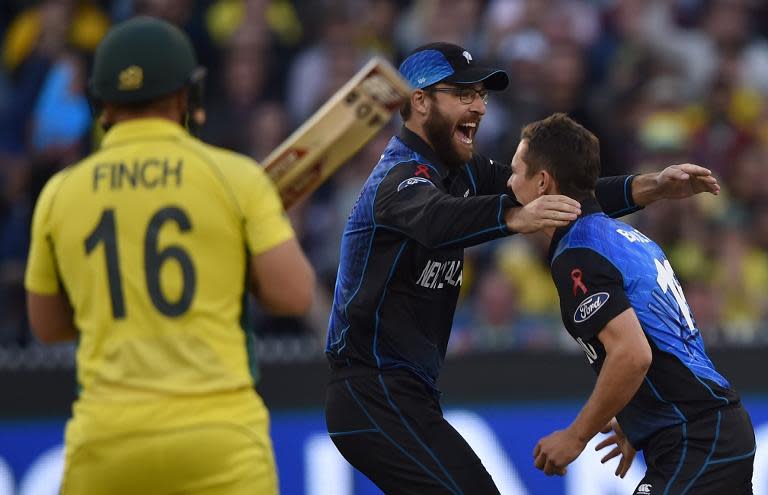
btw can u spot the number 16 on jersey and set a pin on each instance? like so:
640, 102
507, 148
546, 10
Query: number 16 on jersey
105, 233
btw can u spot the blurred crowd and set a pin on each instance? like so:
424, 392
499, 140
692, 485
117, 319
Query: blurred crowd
659, 82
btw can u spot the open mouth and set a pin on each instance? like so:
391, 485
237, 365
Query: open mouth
466, 132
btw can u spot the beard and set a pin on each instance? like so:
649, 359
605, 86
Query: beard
439, 131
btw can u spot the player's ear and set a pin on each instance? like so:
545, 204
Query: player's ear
180, 104
106, 116
546, 182
419, 102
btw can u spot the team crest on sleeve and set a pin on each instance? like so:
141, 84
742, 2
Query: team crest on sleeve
590, 306
412, 181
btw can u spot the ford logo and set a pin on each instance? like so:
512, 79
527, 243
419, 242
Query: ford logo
413, 180
589, 306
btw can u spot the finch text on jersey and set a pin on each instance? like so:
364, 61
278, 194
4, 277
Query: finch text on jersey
438, 273
148, 173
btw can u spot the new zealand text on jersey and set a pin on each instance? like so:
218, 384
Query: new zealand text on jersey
149, 173
438, 273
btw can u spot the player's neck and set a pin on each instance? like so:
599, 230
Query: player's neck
419, 131
172, 107
126, 116
550, 189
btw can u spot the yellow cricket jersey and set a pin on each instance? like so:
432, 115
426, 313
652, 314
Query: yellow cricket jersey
150, 237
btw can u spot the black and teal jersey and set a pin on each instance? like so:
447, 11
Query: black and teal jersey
402, 254
602, 267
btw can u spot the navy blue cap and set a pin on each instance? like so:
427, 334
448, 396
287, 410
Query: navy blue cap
435, 62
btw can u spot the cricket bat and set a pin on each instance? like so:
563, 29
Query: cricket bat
343, 125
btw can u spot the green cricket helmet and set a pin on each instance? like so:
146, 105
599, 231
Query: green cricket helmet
142, 59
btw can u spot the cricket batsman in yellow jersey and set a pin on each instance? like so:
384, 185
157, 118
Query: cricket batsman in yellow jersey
143, 252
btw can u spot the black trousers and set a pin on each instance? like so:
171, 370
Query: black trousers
712, 455
390, 427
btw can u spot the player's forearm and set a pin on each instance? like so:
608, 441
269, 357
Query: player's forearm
283, 280
514, 218
435, 219
620, 378
51, 317
645, 189
615, 195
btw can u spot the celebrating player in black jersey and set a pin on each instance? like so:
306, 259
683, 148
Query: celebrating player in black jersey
620, 300
400, 272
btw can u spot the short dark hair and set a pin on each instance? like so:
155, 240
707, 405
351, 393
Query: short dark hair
568, 151
405, 109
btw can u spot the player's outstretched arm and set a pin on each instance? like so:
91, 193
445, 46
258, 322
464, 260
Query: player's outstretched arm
549, 211
51, 317
283, 280
627, 358
674, 182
